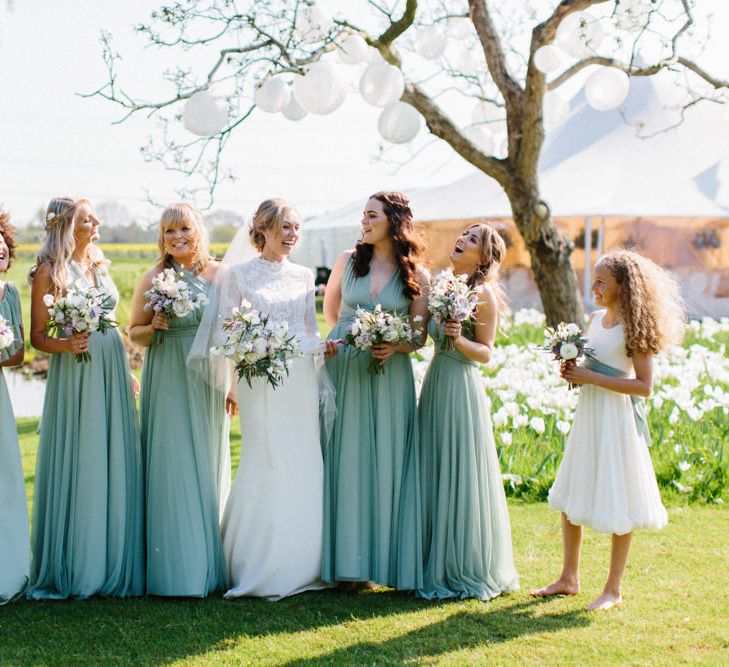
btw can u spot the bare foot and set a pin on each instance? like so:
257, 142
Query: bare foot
346, 586
366, 586
606, 601
559, 587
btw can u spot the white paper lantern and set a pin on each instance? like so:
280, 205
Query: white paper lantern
607, 88
205, 114
272, 95
580, 34
430, 41
353, 50
381, 84
481, 137
322, 90
293, 110
399, 123
549, 58
555, 109
312, 24
459, 27
470, 62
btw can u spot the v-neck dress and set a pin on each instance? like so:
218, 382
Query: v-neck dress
88, 513
372, 527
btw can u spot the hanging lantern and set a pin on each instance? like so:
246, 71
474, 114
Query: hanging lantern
548, 58
459, 27
607, 88
272, 95
580, 34
353, 50
555, 109
205, 114
293, 110
312, 24
322, 90
430, 41
481, 137
381, 84
399, 123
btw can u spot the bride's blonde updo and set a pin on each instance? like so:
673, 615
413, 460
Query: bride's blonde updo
269, 217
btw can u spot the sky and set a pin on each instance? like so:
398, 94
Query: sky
54, 142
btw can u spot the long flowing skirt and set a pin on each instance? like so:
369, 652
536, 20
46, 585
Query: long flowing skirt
14, 539
272, 526
466, 530
88, 514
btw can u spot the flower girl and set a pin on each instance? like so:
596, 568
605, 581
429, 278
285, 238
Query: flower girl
606, 479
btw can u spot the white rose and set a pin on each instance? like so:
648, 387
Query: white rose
180, 308
568, 351
48, 300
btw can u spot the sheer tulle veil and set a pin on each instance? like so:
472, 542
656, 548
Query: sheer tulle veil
218, 370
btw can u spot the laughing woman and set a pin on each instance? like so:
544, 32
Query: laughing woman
87, 512
466, 531
184, 426
15, 544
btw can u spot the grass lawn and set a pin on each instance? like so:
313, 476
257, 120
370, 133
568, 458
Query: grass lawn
675, 611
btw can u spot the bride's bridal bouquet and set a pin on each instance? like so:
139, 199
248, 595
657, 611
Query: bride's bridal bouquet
171, 295
7, 337
82, 310
375, 327
258, 347
451, 300
566, 343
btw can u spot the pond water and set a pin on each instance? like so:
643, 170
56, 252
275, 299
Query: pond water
26, 394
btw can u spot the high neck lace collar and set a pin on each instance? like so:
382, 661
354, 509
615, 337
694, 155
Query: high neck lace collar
273, 265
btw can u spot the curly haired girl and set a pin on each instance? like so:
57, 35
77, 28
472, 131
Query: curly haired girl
606, 479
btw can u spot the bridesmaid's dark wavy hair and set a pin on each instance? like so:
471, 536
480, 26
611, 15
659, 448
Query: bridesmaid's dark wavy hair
405, 243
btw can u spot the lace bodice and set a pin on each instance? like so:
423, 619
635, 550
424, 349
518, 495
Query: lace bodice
282, 290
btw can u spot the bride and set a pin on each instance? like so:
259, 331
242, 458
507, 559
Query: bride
272, 524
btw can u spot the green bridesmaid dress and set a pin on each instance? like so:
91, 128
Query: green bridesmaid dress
466, 531
14, 540
185, 445
372, 526
88, 514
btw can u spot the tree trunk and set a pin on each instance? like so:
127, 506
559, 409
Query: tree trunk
550, 254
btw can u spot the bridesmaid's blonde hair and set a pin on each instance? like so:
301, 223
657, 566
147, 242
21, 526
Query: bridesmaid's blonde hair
59, 244
269, 217
180, 215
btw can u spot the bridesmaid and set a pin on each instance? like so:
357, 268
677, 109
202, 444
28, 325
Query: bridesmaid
184, 426
15, 543
466, 531
87, 514
371, 488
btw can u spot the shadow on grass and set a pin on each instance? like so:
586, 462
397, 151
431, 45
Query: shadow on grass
157, 631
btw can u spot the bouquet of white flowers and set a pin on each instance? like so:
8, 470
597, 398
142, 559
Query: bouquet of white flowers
171, 295
83, 309
566, 343
451, 300
7, 337
375, 327
259, 348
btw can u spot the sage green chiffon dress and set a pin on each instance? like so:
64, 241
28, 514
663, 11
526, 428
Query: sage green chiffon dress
185, 445
466, 531
372, 525
87, 536
14, 539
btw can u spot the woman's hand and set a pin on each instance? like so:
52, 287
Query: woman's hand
159, 322
383, 351
231, 406
330, 349
453, 330
136, 387
575, 374
78, 343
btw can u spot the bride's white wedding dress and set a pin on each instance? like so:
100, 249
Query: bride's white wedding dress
272, 525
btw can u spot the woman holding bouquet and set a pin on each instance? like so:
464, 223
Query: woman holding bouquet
272, 525
184, 426
87, 512
466, 533
372, 526
14, 544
